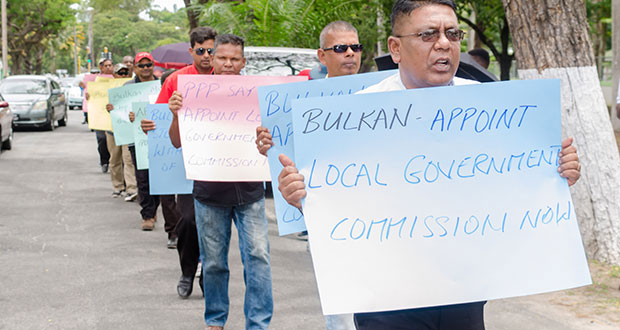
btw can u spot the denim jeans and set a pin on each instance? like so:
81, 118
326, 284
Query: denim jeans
214, 229
339, 322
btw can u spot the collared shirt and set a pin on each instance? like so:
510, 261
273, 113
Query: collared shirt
395, 83
170, 85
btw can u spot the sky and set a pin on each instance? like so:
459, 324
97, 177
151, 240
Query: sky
168, 4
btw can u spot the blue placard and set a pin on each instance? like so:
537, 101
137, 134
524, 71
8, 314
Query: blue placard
275, 111
166, 169
140, 139
407, 190
122, 98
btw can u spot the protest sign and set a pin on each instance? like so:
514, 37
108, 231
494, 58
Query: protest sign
98, 116
218, 123
417, 199
87, 78
275, 112
122, 98
140, 139
166, 170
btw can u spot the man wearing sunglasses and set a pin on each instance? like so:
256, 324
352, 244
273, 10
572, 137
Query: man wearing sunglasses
340, 50
148, 203
425, 43
202, 41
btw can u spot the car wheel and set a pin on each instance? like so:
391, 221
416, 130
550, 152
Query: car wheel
63, 121
50, 123
8, 144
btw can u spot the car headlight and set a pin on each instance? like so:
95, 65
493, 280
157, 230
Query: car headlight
40, 105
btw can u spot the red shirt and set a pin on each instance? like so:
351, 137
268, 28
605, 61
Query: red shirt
170, 85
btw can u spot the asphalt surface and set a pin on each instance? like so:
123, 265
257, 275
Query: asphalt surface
73, 257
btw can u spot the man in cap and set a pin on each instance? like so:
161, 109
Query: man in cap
122, 169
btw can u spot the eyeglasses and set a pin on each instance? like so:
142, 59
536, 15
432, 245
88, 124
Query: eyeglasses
343, 48
123, 73
144, 65
453, 35
201, 51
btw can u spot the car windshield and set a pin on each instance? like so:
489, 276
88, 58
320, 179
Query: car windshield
66, 82
278, 63
22, 86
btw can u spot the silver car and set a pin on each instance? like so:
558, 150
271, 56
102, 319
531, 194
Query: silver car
35, 100
6, 125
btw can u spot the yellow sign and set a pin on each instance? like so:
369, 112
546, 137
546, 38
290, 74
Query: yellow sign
98, 116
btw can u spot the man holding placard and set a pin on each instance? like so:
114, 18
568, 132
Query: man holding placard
148, 203
202, 41
216, 204
341, 53
425, 42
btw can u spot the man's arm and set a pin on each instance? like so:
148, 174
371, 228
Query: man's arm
175, 103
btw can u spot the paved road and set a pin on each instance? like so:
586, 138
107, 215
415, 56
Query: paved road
72, 257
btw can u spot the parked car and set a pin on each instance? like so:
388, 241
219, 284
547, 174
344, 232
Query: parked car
75, 94
6, 125
278, 61
35, 100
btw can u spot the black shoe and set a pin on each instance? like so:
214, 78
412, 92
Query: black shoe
172, 243
184, 288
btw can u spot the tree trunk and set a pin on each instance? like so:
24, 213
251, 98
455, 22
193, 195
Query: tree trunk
193, 16
615, 45
599, 38
551, 40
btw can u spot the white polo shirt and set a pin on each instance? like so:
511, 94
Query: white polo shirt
394, 83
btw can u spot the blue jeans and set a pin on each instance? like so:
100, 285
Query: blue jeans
339, 322
214, 228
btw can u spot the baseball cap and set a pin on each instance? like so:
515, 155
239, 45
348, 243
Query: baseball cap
142, 55
119, 66
103, 59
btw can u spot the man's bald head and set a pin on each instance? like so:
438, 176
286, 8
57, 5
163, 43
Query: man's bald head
335, 26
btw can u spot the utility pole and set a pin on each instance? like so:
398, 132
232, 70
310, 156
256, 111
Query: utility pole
75, 52
5, 47
91, 11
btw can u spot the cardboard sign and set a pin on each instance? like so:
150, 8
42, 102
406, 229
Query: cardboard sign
98, 116
275, 111
166, 170
218, 126
87, 78
437, 196
122, 99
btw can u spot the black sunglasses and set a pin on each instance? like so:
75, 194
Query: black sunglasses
201, 51
144, 65
343, 48
122, 73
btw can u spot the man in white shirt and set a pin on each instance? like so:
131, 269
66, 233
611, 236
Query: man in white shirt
425, 43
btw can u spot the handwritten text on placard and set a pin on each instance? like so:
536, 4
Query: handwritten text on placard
434, 200
166, 170
275, 106
218, 126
